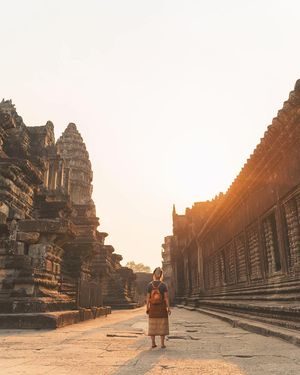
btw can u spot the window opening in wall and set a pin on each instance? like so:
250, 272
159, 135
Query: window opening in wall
253, 248
271, 244
276, 246
292, 232
222, 268
286, 233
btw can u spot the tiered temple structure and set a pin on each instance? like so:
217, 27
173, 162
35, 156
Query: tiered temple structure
52, 258
240, 253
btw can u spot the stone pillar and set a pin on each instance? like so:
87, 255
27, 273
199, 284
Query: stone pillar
200, 268
53, 174
46, 175
60, 174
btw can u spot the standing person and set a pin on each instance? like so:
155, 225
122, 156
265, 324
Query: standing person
158, 308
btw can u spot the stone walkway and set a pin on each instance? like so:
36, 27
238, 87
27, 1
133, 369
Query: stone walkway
116, 345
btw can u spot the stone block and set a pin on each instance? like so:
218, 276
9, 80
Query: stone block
20, 248
48, 265
18, 262
86, 314
28, 237
16, 214
24, 289
45, 226
4, 212
38, 320
38, 254
4, 273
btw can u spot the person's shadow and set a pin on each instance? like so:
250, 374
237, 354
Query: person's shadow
142, 363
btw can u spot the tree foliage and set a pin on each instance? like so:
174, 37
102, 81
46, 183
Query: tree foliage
138, 267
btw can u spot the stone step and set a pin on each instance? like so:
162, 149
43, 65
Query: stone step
283, 291
68, 288
289, 296
4, 294
290, 335
281, 314
259, 291
51, 320
278, 320
289, 309
65, 290
70, 294
123, 306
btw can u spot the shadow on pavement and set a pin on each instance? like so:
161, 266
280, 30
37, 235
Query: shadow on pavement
141, 364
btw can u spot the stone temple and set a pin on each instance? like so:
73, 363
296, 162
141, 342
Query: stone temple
239, 253
55, 267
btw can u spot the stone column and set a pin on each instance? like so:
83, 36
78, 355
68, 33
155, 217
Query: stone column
200, 268
46, 175
60, 174
53, 174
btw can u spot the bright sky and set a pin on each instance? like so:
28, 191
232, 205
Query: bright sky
171, 96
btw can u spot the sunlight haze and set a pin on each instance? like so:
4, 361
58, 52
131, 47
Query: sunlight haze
170, 97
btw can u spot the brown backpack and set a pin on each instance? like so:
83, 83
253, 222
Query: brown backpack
155, 295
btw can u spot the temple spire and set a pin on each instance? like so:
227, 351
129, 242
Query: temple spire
72, 150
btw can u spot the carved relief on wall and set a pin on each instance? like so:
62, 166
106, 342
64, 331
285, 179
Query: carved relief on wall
193, 267
217, 270
291, 211
254, 252
222, 267
270, 237
209, 274
241, 258
229, 252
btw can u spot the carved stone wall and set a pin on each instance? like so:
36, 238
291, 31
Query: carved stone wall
247, 240
51, 254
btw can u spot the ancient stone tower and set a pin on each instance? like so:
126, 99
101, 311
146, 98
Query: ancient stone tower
77, 166
78, 175
52, 258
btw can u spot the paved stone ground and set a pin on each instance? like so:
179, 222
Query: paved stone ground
116, 345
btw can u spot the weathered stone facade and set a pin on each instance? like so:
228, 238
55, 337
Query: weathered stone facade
240, 252
142, 281
119, 282
169, 277
51, 255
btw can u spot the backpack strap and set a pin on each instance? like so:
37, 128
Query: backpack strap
156, 287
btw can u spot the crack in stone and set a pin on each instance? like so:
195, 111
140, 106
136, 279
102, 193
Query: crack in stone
123, 336
238, 355
167, 367
259, 355
188, 337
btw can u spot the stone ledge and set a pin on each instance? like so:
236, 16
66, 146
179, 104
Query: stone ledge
124, 306
51, 320
264, 329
